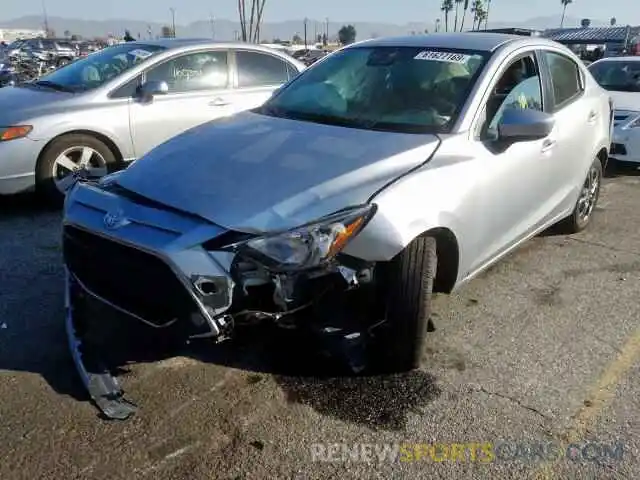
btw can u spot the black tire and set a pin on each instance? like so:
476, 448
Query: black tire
407, 289
62, 62
45, 185
578, 221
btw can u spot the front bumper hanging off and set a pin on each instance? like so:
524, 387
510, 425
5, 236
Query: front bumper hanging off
103, 387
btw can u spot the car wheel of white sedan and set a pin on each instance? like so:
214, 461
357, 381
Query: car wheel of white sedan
68, 158
587, 200
407, 290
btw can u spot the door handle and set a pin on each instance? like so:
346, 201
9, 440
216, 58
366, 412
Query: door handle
548, 145
219, 102
592, 117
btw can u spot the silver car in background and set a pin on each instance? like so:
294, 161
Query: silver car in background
620, 76
389, 170
97, 114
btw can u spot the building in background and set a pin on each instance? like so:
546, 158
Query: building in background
9, 35
610, 41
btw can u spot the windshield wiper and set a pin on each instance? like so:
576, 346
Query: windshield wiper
53, 86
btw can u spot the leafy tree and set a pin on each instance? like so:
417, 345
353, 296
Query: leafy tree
67, 34
347, 34
564, 3
75, 38
585, 23
297, 39
128, 37
325, 40
447, 7
613, 21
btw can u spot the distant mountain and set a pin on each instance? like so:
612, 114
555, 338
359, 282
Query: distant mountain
225, 29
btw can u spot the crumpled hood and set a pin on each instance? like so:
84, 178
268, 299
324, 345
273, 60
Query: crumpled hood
252, 172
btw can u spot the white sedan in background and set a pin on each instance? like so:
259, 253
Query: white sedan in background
621, 77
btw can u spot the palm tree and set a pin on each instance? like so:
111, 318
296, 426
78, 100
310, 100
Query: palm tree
455, 22
464, 13
564, 10
447, 6
479, 13
486, 14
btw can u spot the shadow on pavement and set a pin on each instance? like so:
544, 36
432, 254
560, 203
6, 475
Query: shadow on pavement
27, 205
622, 169
32, 337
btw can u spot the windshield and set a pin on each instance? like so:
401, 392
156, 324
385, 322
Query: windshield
97, 69
617, 75
401, 89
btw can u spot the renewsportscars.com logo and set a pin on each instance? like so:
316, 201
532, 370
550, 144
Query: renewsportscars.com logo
480, 452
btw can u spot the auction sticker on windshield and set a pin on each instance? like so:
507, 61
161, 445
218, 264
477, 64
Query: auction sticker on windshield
449, 57
138, 52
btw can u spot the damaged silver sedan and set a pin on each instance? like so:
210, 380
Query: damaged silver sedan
387, 171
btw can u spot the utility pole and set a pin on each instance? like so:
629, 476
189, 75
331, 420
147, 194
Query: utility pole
173, 21
327, 19
46, 19
305, 33
212, 20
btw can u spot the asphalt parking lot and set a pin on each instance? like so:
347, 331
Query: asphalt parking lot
543, 349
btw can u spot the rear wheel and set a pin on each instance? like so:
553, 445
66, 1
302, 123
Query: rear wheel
67, 158
587, 200
407, 290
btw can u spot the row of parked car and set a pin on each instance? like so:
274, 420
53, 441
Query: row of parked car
210, 185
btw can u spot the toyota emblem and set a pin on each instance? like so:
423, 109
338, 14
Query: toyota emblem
115, 219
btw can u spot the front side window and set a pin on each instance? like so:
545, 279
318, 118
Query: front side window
617, 75
565, 78
257, 69
406, 89
95, 70
518, 87
193, 72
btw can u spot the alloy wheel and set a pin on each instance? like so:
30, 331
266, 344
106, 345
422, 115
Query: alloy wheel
77, 162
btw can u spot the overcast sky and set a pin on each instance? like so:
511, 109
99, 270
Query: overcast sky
626, 11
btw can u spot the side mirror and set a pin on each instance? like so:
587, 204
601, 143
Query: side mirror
523, 125
149, 89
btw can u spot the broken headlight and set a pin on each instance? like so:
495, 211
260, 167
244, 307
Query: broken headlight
310, 245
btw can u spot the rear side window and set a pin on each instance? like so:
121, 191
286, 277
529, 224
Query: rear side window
260, 69
566, 79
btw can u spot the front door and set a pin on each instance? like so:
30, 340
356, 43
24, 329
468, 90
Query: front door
199, 91
515, 182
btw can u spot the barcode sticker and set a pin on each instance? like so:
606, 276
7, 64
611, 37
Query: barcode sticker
138, 52
449, 57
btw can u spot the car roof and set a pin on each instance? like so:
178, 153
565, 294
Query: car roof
620, 59
479, 41
173, 43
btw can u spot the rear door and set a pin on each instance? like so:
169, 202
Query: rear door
577, 124
199, 88
256, 76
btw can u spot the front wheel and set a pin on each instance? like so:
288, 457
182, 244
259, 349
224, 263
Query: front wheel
587, 200
407, 286
67, 158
